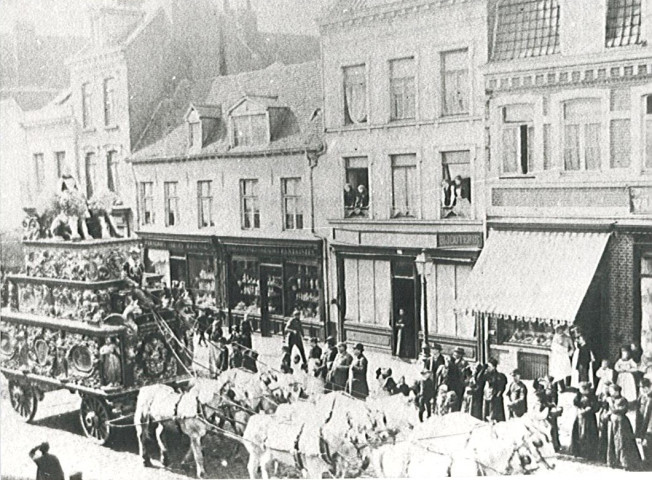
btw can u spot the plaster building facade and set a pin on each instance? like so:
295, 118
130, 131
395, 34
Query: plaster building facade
401, 187
225, 195
569, 182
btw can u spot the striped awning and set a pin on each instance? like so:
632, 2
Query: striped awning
533, 275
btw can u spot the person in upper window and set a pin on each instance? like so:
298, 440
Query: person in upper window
462, 202
447, 194
349, 196
362, 198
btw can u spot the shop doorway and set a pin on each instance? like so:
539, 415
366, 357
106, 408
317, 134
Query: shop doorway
271, 297
404, 302
178, 269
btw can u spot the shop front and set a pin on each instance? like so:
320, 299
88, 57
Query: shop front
190, 260
269, 279
525, 285
390, 299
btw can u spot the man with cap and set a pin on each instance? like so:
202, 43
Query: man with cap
425, 392
218, 357
437, 359
294, 335
326, 363
338, 375
48, 466
516, 396
357, 384
493, 409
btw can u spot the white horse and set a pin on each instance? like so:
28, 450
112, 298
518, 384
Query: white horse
161, 405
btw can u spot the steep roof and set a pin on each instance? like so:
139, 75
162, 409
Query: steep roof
525, 28
29, 98
297, 86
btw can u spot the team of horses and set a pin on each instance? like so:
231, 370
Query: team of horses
334, 434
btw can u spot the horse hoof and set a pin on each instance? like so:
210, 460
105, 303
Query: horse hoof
165, 461
147, 463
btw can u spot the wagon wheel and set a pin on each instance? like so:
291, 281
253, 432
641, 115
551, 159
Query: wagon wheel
94, 416
23, 400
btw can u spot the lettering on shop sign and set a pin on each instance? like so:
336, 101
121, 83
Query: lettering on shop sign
460, 240
179, 246
640, 200
274, 251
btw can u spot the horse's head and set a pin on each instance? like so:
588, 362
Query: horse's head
533, 446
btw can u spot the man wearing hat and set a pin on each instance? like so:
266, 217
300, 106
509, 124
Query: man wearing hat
357, 384
516, 396
493, 409
132, 273
294, 335
338, 374
425, 392
437, 359
218, 357
326, 363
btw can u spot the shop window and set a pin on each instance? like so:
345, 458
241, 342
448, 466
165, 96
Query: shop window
402, 90
91, 174
648, 131
581, 131
356, 188
87, 105
249, 204
455, 82
292, 204
171, 200
147, 203
404, 186
250, 130
245, 286
302, 290
368, 289
521, 332
517, 132
205, 204
113, 180
60, 158
456, 185
39, 170
109, 101
201, 273
355, 95
620, 143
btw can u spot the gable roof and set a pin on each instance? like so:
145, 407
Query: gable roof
206, 111
525, 28
297, 86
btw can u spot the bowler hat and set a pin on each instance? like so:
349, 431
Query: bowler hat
341, 344
330, 341
459, 350
436, 346
359, 346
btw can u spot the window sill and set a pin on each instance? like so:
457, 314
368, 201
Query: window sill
517, 177
89, 130
111, 127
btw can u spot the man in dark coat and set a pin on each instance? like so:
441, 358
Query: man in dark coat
437, 361
425, 393
245, 332
294, 335
286, 360
357, 383
644, 421
338, 374
494, 386
327, 359
218, 356
47, 465
516, 396
236, 356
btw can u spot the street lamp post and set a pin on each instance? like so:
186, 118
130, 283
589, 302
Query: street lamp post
421, 261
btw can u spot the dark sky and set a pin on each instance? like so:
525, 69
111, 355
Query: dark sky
57, 16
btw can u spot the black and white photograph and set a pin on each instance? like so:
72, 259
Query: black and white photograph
252, 239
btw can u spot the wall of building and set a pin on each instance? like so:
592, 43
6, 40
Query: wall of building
225, 175
11, 156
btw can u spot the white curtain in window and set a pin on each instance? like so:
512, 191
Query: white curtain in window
592, 146
571, 147
355, 93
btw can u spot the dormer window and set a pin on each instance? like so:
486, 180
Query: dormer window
194, 134
250, 130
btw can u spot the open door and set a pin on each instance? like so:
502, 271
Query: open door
404, 307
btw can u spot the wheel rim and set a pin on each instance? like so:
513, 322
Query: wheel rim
94, 419
23, 400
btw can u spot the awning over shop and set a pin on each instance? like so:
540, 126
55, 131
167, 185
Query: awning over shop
533, 275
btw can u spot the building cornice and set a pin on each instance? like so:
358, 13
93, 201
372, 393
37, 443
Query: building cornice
384, 12
217, 156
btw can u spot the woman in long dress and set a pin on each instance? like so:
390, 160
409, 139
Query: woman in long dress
625, 368
622, 451
584, 437
560, 357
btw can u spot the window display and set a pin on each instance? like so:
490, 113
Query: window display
275, 293
201, 271
302, 290
245, 285
536, 334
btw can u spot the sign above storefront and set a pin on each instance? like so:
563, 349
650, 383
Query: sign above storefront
640, 200
459, 240
178, 246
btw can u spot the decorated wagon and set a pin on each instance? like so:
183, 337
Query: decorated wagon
69, 323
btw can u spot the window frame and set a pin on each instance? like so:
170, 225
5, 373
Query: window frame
412, 210
194, 130
404, 83
530, 127
90, 168
109, 99
201, 216
366, 212
249, 116
146, 193
582, 136
60, 162
444, 109
347, 121
112, 175
38, 159
297, 200
169, 201
471, 152
254, 221
87, 106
